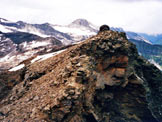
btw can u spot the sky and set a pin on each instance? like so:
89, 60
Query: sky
132, 15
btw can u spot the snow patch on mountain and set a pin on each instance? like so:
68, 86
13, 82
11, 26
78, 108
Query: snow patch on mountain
4, 21
74, 30
135, 36
17, 67
4, 29
33, 30
78, 30
83, 23
34, 44
7, 57
14, 58
46, 56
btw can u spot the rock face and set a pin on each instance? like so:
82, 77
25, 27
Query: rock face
102, 79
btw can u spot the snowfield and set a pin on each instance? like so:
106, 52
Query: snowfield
74, 30
4, 29
26, 56
33, 30
34, 44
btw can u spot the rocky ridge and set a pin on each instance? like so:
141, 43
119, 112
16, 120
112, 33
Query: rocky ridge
102, 79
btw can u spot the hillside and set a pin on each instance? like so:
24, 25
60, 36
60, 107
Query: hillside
16, 47
149, 51
102, 79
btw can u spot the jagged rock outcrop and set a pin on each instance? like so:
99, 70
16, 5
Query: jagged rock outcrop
102, 79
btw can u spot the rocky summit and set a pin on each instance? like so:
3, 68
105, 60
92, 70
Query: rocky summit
102, 79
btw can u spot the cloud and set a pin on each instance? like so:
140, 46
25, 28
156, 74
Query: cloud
132, 15
137, 0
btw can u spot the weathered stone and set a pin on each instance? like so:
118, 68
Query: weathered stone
71, 92
120, 72
102, 79
79, 79
36, 98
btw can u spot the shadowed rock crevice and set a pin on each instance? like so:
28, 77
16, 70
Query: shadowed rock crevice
124, 104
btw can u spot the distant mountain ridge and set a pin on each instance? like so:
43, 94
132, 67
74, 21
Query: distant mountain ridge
78, 30
43, 30
153, 38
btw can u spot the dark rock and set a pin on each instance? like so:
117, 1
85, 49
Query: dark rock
123, 34
2, 114
104, 28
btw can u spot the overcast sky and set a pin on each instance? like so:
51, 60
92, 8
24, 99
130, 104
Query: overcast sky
133, 15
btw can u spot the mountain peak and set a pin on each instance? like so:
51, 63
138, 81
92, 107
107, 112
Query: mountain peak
81, 22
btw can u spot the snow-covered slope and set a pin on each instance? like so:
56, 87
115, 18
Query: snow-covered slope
42, 30
31, 29
74, 30
79, 29
17, 47
37, 58
5, 29
135, 36
153, 38
83, 23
